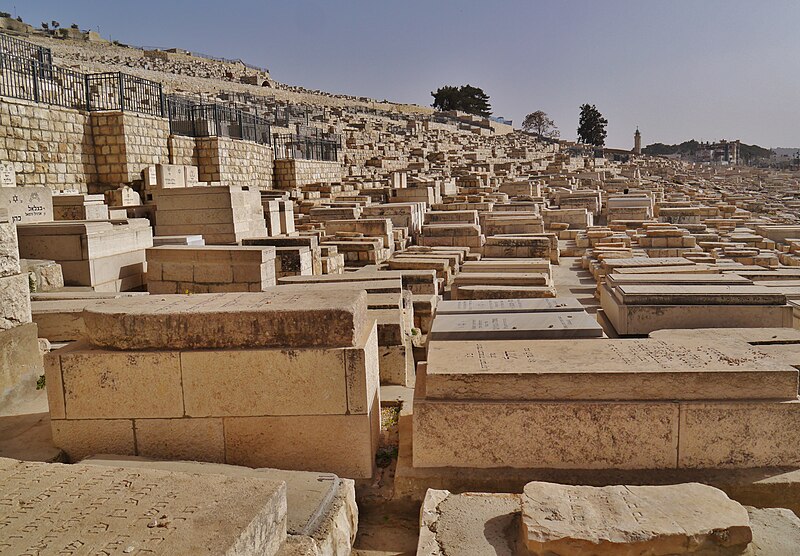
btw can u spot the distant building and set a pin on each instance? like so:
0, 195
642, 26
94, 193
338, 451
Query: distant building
500, 120
723, 152
637, 142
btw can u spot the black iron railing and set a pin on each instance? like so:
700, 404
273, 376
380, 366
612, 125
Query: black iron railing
27, 72
26, 50
306, 148
27, 79
120, 91
193, 119
179, 113
317, 133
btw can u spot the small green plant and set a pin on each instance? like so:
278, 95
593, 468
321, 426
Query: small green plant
385, 456
390, 416
40, 384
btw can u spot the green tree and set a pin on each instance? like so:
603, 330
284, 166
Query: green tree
465, 98
541, 124
591, 126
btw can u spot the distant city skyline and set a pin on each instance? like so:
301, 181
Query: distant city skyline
678, 70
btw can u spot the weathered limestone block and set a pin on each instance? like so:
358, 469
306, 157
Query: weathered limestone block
321, 510
15, 303
569, 435
271, 319
739, 434
469, 523
658, 520
185, 514
682, 369
343, 444
20, 361
45, 275
9, 250
100, 384
301, 381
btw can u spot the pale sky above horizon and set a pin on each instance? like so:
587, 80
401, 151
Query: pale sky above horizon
679, 69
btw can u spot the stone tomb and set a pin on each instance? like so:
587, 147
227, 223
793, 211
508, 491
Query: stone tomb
51, 508
221, 214
80, 206
605, 404
59, 315
311, 243
642, 308
515, 326
494, 285
209, 269
391, 305
321, 510
258, 379
104, 256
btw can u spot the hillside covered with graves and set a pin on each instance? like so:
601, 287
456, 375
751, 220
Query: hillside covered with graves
243, 317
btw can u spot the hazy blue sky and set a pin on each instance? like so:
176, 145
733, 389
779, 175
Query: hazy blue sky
679, 69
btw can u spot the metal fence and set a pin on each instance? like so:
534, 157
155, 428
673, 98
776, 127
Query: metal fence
27, 72
306, 148
317, 133
192, 119
29, 80
26, 50
120, 91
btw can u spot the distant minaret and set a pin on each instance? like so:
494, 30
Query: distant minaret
637, 142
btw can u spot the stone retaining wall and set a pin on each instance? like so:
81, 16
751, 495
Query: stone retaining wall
237, 162
183, 150
47, 145
291, 173
69, 149
126, 143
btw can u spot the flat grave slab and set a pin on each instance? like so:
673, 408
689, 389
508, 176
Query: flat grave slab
478, 306
677, 279
513, 326
673, 519
327, 318
663, 294
602, 369
86, 509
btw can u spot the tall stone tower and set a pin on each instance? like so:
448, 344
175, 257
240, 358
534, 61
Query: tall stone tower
637, 142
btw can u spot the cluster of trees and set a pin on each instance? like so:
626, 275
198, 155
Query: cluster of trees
55, 25
591, 125
473, 100
465, 98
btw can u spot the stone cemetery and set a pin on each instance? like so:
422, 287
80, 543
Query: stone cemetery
283, 336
